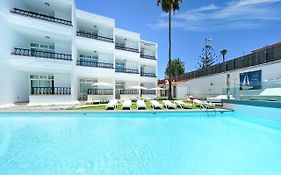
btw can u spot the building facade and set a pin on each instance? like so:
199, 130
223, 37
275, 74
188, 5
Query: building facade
52, 52
261, 68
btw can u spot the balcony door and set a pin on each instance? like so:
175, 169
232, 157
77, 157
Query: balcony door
85, 85
37, 49
90, 57
118, 86
41, 83
120, 65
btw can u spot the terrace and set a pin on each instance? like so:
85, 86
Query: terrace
127, 70
41, 54
121, 46
92, 35
41, 16
50, 91
144, 74
95, 59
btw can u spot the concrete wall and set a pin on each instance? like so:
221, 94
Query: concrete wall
99, 97
62, 80
263, 113
128, 96
6, 79
216, 84
50, 99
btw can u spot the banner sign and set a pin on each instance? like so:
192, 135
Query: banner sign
250, 80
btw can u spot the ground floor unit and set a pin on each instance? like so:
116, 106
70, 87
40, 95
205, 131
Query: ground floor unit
64, 87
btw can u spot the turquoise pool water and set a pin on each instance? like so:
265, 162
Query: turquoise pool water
139, 144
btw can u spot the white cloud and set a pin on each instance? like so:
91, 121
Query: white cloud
206, 8
243, 14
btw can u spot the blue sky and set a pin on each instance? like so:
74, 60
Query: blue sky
239, 26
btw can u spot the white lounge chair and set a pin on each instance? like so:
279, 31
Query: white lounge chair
269, 94
203, 104
218, 98
183, 105
169, 105
126, 105
156, 105
141, 104
112, 104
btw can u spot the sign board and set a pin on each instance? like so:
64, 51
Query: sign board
250, 80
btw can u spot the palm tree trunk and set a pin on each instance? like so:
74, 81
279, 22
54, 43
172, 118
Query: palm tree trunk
170, 53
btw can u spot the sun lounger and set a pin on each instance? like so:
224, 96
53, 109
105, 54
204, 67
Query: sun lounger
269, 94
169, 105
141, 104
126, 105
183, 105
218, 99
112, 104
156, 105
203, 104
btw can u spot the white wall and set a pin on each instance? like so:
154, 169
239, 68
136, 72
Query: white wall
21, 86
62, 80
132, 65
148, 85
149, 69
64, 14
50, 99
131, 83
216, 84
91, 98
106, 58
61, 47
6, 78
263, 112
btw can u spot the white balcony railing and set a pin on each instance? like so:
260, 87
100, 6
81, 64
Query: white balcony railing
41, 16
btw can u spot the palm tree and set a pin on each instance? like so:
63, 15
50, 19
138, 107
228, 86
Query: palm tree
168, 6
176, 69
223, 53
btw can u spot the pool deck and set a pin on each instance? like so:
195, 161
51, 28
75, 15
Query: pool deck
112, 111
76, 109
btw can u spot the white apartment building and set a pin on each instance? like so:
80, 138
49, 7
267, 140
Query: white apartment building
52, 52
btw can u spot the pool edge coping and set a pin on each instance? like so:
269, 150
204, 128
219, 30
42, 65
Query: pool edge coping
113, 111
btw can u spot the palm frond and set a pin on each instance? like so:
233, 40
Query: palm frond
168, 5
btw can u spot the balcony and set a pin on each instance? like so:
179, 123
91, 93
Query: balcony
100, 91
150, 57
88, 63
148, 92
50, 91
122, 47
129, 92
41, 16
127, 70
91, 35
143, 74
42, 54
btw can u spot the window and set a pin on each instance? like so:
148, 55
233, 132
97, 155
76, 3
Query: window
34, 45
120, 65
41, 81
94, 57
42, 47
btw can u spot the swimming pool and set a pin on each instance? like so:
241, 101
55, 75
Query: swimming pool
193, 143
